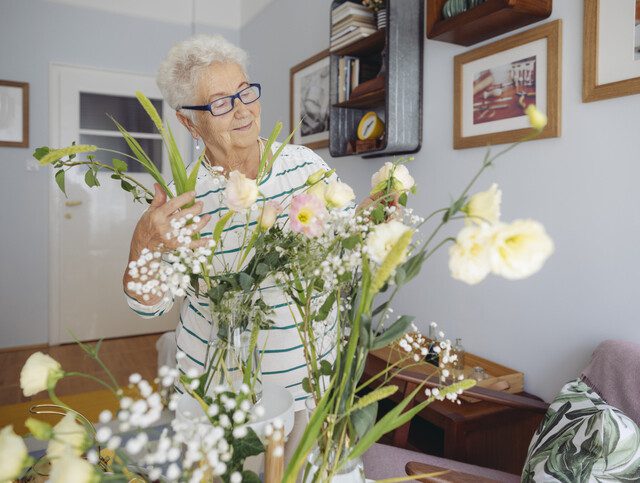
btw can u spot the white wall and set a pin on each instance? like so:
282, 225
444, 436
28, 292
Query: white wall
34, 33
582, 186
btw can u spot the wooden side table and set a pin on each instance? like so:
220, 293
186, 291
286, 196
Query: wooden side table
482, 433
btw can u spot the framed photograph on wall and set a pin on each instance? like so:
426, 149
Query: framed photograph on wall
14, 114
494, 84
611, 49
309, 101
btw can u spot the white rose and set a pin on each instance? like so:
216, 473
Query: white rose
13, 454
470, 256
484, 207
318, 190
69, 467
519, 249
240, 192
402, 180
67, 435
383, 238
269, 215
37, 371
338, 195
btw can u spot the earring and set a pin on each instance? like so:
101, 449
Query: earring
197, 144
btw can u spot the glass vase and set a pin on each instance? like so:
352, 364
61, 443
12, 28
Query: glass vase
232, 354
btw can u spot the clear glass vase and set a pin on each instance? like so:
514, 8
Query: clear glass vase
350, 472
232, 354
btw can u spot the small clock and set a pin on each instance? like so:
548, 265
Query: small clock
370, 127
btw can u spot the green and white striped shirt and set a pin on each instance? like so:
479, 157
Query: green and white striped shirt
283, 360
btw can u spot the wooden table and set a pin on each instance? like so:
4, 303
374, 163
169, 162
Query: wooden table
481, 433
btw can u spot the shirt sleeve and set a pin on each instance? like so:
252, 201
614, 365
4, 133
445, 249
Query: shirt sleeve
149, 311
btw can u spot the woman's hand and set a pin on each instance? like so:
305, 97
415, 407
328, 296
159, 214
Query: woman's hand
155, 224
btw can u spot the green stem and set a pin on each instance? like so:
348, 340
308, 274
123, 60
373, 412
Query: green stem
93, 378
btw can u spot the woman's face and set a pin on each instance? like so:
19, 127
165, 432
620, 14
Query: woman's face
238, 128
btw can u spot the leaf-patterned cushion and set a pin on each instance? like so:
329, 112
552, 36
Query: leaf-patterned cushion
583, 439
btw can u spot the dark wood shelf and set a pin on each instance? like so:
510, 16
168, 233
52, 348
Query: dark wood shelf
373, 44
371, 99
487, 20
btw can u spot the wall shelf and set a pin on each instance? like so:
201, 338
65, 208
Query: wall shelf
372, 99
487, 20
397, 51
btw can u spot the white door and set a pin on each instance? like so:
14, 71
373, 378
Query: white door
90, 231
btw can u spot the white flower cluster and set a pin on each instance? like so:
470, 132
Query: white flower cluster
415, 343
169, 277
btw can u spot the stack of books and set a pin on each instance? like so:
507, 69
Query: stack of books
352, 72
350, 22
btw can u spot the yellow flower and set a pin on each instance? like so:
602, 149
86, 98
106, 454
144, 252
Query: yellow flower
469, 257
318, 190
537, 119
484, 207
519, 249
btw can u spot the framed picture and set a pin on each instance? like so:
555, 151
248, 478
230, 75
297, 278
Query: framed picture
309, 101
14, 114
494, 84
611, 49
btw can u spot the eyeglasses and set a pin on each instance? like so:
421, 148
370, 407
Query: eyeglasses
224, 105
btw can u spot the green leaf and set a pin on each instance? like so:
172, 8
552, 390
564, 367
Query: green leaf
250, 477
413, 266
378, 214
390, 262
246, 281
351, 242
364, 418
119, 165
262, 167
250, 445
60, 180
393, 332
57, 154
262, 269
193, 176
403, 199
126, 186
39, 153
326, 307
91, 179
217, 231
401, 276
326, 369
306, 386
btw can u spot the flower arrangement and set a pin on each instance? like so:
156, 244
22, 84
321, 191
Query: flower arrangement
340, 267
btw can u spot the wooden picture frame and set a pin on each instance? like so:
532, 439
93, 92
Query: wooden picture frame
614, 77
14, 114
494, 83
309, 101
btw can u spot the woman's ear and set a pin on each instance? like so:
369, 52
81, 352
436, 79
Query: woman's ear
186, 122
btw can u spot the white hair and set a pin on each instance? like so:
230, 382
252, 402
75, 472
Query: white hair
179, 72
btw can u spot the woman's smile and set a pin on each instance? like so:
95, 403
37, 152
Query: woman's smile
245, 127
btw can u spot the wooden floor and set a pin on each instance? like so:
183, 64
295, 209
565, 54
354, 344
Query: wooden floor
122, 356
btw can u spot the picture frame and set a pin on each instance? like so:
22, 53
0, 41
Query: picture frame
14, 114
611, 62
309, 101
494, 84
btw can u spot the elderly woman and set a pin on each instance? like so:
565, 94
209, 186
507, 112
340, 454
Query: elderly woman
205, 81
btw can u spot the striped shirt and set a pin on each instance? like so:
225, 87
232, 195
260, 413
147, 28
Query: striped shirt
282, 354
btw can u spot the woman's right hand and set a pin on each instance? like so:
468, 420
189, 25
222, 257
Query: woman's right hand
155, 224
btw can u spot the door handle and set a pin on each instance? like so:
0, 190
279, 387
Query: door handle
71, 203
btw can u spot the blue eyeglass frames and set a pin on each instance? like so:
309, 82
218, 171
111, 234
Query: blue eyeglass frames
226, 104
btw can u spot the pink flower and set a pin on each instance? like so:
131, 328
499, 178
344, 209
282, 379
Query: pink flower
307, 214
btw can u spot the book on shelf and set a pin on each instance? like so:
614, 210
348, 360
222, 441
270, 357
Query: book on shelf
348, 76
351, 22
346, 31
353, 11
350, 38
